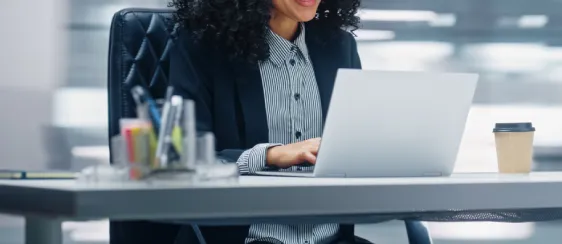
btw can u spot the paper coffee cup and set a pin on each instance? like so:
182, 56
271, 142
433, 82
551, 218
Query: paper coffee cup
514, 147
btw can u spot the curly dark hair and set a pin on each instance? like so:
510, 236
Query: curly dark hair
239, 26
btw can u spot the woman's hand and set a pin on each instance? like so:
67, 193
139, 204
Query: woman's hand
293, 154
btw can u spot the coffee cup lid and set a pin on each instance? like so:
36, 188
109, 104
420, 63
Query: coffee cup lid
514, 127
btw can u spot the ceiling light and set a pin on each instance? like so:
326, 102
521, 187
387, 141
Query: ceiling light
532, 21
397, 50
396, 15
444, 20
374, 35
508, 57
434, 19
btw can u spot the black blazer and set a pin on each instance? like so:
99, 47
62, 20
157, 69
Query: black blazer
229, 97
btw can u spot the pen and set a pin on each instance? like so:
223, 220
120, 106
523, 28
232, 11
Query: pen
173, 127
155, 118
166, 125
177, 128
154, 114
142, 111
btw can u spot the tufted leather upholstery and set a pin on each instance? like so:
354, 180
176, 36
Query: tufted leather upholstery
140, 41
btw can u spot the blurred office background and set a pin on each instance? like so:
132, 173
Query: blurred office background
53, 88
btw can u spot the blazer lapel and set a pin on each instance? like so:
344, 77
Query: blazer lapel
252, 104
250, 89
325, 67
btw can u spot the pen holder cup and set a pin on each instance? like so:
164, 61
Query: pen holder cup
197, 163
123, 159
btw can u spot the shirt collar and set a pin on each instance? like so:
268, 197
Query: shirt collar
280, 48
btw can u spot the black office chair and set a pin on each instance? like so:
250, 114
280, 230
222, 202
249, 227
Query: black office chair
139, 54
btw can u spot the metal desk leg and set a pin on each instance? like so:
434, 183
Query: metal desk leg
43, 230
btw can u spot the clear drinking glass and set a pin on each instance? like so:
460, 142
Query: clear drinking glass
208, 167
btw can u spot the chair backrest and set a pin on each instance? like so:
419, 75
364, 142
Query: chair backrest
139, 46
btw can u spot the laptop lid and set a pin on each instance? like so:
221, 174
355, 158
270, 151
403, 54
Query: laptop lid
394, 124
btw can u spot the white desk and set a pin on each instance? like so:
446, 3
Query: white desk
293, 200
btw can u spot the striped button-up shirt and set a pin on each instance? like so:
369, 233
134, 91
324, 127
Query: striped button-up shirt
294, 114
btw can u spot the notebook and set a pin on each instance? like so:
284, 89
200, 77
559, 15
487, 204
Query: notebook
36, 175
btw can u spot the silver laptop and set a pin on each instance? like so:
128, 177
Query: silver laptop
393, 124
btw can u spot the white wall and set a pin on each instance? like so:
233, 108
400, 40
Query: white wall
31, 67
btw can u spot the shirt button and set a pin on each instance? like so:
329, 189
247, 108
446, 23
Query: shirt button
297, 96
306, 242
293, 48
298, 134
299, 169
292, 62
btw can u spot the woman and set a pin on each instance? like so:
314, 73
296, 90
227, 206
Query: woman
261, 73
